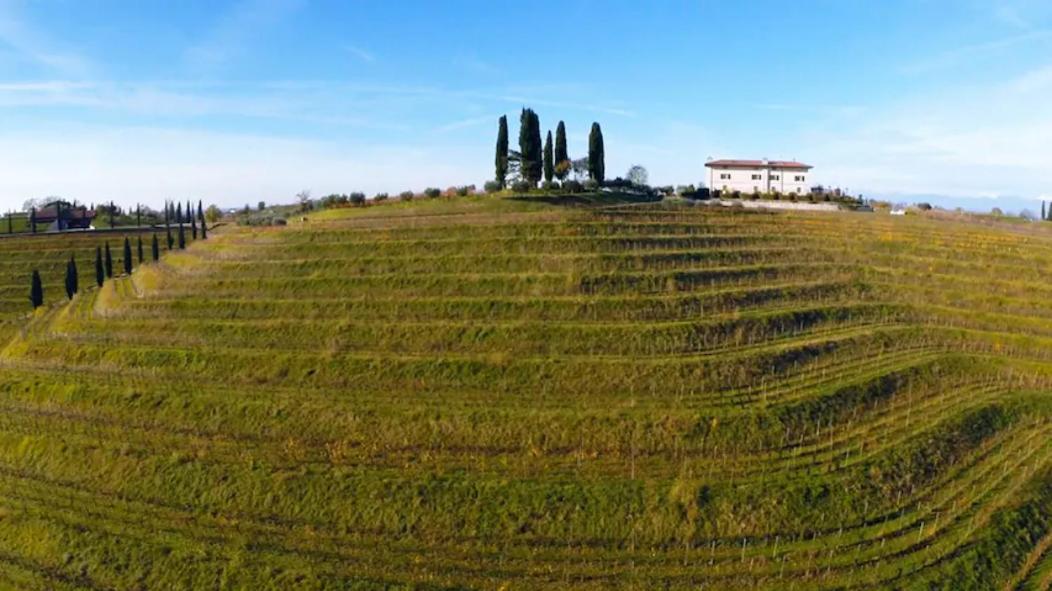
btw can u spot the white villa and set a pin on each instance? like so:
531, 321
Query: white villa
762, 176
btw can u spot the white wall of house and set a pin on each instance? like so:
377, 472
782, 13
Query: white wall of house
760, 178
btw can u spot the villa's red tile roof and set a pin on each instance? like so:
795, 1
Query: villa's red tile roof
780, 164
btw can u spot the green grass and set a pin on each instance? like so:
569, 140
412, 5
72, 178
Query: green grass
536, 394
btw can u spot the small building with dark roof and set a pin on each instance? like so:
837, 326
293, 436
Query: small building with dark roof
63, 215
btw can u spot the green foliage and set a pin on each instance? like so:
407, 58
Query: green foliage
501, 159
127, 256
521, 186
100, 270
561, 155
432, 192
596, 154
71, 280
36, 290
108, 261
530, 147
549, 159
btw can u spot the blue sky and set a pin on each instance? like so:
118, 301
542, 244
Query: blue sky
257, 99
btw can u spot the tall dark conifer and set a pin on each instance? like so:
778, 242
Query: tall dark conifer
155, 249
127, 256
501, 160
33, 219
108, 260
549, 158
100, 271
562, 156
139, 248
171, 241
72, 281
596, 154
193, 226
182, 237
530, 146
36, 290
179, 213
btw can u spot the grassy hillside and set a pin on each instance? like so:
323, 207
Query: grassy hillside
461, 394
49, 253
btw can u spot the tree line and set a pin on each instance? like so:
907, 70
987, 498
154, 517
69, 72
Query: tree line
550, 160
185, 221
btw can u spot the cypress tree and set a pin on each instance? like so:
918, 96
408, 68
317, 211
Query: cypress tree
204, 227
71, 278
167, 213
189, 213
138, 215
33, 219
112, 211
179, 213
530, 146
139, 245
100, 273
10, 224
561, 155
127, 256
502, 152
155, 249
109, 262
200, 211
171, 241
596, 155
193, 227
36, 291
1043, 216
182, 237
549, 156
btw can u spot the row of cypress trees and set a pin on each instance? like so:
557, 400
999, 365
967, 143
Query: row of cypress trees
551, 160
104, 258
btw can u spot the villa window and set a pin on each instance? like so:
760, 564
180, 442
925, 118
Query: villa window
776, 177
756, 177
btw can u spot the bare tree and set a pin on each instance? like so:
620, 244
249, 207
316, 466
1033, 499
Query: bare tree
637, 175
580, 168
303, 197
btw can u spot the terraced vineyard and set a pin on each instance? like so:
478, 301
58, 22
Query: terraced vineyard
48, 253
505, 395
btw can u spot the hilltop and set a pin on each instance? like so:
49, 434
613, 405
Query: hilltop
515, 394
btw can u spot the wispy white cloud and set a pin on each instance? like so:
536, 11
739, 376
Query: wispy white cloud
989, 140
224, 168
464, 123
475, 65
963, 54
33, 44
237, 29
361, 54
